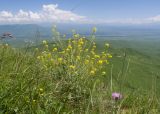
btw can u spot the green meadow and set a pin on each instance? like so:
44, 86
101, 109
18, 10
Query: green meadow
70, 76
139, 62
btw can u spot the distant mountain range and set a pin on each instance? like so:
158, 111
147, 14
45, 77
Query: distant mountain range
23, 31
31, 31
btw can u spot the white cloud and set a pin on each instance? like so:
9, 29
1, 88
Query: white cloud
52, 13
155, 18
148, 20
5, 14
48, 13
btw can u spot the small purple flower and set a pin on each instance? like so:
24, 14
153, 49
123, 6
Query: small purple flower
116, 96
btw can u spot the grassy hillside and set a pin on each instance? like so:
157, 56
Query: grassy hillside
141, 57
56, 78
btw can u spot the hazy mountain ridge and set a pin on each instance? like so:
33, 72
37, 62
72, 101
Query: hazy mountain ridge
29, 30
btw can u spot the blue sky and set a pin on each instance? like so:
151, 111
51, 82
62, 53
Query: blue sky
82, 11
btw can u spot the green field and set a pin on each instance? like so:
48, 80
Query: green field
142, 59
28, 85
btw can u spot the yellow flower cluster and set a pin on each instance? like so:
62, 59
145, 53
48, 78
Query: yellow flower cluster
78, 54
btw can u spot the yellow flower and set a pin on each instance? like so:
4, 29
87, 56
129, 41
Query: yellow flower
86, 61
100, 62
80, 39
76, 35
103, 73
54, 49
86, 50
41, 89
60, 59
97, 56
49, 55
109, 56
107, 45
81, 43
69, 47
72, 66
92, 72
44, 42
78, 57
94, 30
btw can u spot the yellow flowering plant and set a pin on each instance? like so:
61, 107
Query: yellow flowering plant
75, 61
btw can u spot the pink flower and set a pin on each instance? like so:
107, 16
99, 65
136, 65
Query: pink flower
116, 96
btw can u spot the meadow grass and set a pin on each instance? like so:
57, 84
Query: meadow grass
67, 77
